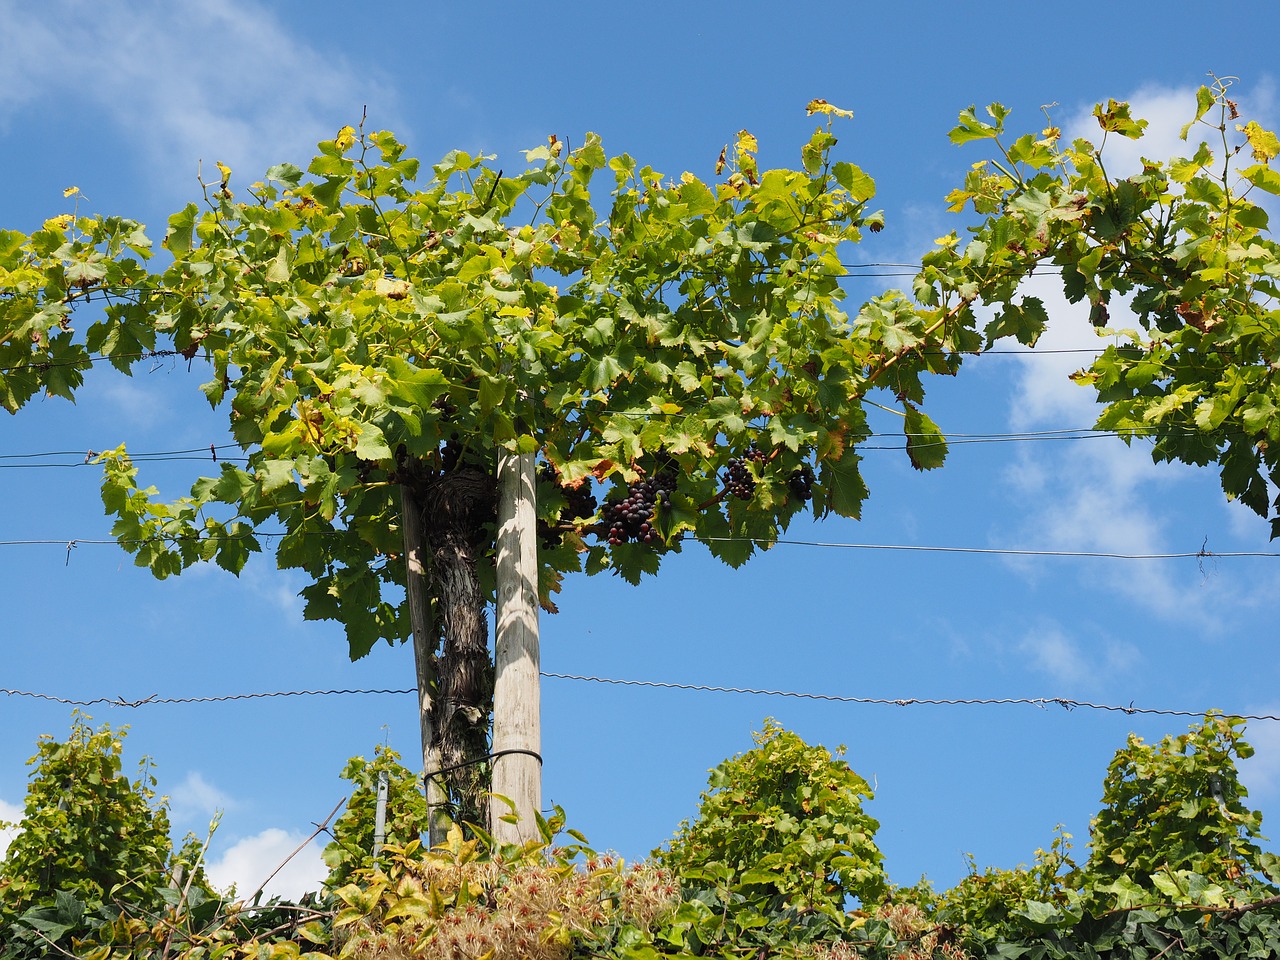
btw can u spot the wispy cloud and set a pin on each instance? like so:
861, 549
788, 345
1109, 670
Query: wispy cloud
196, 798
249, 861
1069, 661
223, 79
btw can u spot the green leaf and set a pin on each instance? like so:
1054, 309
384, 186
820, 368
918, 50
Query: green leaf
371, 444
417, 387
1025, 321
602, 372
1115, 118
926, 446
846, 490
1040, 915
285, 173
1263, 177
1205, 99
971, 128
181, 225
274, 474
278, 268
859, 185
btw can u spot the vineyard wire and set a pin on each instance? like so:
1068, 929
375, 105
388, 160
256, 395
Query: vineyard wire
1066, 703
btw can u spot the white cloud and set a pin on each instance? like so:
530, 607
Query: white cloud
10, 814
220, 80
1067, 661
249, 861
196, 798
279, 589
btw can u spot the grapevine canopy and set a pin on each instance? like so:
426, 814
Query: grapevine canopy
366, 318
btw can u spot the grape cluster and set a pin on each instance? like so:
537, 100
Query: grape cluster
580, 503
801, 483
738, 480
631, 518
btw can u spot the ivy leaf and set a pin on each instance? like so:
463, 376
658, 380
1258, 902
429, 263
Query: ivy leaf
1040, 915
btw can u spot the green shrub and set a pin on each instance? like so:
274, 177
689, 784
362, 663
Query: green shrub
91, 841
353, 833
786, 821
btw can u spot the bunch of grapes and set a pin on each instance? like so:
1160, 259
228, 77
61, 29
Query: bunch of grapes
580, 503
738, 480
631, 518
801, 483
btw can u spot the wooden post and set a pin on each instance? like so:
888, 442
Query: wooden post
424, 653
517, 707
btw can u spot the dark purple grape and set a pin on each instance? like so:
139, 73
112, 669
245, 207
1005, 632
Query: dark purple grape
801, 483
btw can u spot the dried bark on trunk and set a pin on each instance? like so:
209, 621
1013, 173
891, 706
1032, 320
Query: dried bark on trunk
457, 510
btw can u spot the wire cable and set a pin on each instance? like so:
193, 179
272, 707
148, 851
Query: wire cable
1064, 702
84, 458
1201, 554
1067, 703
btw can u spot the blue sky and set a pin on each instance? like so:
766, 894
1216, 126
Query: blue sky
124, 101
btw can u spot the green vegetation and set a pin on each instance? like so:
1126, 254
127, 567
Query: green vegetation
780, 861
683, 350
93, 845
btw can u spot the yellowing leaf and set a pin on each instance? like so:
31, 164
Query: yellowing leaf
1264, 143
821, 106
225, 171
345, 138
59, 222
391, 288
747, 143
70, 191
